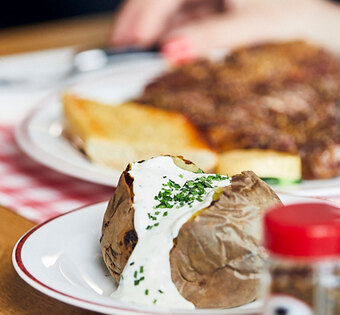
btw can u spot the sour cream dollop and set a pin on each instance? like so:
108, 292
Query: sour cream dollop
165, 197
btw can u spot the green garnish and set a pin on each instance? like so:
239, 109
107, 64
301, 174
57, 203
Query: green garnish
135, 275
173, 194
154, 301
132, 263
146, 292
160, 291
192, 190
281, 181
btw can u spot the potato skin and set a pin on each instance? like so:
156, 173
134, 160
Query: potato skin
118, 232
208, 249
220, 243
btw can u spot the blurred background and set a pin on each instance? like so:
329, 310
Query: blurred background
44, 24
21, 12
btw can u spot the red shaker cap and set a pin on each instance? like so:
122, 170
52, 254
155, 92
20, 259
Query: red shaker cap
309, 230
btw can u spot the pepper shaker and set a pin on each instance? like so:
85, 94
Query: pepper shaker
303, 270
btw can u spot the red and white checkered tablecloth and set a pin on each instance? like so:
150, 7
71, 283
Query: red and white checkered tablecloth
37, 192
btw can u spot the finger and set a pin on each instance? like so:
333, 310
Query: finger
195, 10
224, 31
121, 21
179, 49
140, 22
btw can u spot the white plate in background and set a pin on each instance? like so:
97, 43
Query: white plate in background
39, 134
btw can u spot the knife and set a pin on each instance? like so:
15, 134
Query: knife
95, 59
81, 62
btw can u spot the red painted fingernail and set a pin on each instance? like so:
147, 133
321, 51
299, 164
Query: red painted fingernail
179, 49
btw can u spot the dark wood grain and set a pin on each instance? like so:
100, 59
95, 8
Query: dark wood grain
82, 32
17, 297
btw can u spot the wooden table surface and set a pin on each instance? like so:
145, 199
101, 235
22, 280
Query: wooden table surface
17, 297
82, 32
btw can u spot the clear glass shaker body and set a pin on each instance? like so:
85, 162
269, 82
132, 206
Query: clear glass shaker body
301, 287
328, 288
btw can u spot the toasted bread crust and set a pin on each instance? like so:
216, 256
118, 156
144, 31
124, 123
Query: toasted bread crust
117, 135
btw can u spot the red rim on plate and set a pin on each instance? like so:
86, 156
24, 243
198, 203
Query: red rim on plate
21, 269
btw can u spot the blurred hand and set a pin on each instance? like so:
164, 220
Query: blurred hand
188, 28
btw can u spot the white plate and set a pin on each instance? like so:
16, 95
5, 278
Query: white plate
62, 259
39, 135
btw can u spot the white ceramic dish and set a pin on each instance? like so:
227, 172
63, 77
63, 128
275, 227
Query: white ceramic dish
39, 135
62, 259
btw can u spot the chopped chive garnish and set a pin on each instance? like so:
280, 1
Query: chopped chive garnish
141, 269
136, 282
154, 301
141, 279
146, 292
173, 194
160, 291
132, 263
135, 274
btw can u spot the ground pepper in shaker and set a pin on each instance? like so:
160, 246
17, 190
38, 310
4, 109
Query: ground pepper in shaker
303, 270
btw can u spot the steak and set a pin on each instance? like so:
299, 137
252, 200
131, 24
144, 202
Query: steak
271, 96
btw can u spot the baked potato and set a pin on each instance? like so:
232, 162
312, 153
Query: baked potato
216, 258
